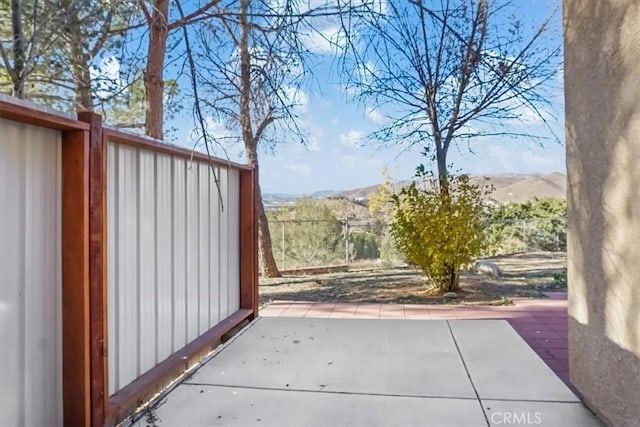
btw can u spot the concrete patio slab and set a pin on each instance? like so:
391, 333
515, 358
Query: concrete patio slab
502, 365
231, 406
542, 322
357, 372
403, 357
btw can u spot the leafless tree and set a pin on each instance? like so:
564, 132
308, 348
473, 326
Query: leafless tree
252, 66
445, 71
91, 28
29, 32
158, 19
56, 44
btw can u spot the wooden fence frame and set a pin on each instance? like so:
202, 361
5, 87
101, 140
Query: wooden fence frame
86, 401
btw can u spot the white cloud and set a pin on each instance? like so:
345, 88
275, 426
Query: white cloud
312, 144
349, 161
532, 159
297, 97
106, 77
501, 158
364, 164
374, 115
313, 135
325, 41
352, 138
300, 168
225, 143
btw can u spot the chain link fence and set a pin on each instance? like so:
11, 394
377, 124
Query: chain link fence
531, 235
300, 244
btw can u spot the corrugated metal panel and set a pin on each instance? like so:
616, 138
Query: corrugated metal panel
179, 253
233, 210
204, 221
217, 291
164, 251
30, 265
192, 251
224, 237
173, 256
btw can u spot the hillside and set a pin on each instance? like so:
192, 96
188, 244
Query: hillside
508, 188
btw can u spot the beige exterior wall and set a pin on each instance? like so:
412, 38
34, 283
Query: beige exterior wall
602, 84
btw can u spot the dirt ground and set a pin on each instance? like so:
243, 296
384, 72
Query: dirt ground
523, 275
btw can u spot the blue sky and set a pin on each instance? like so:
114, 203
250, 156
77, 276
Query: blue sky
339, 156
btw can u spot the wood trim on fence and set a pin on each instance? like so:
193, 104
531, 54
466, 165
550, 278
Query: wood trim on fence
76, 370
98, 267
161, 147
255, 250
248, 241
25, 114
124, 403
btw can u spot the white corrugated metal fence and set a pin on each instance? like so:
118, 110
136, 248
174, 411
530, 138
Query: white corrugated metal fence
30, 276
173, 255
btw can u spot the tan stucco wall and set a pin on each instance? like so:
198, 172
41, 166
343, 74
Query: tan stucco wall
602, 88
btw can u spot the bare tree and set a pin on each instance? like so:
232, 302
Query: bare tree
55, 46
28, 34
157, 15
252, 65
449, 70
91, 27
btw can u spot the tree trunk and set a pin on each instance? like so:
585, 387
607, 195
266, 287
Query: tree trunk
453, 278
19, 60
268, 261
154, 74
82, 83
443, 174
80, 61
269, 266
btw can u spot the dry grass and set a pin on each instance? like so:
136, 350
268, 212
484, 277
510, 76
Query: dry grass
527, 274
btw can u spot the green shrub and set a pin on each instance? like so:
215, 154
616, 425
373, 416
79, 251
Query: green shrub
560, 278
440, 231
364, 245
539, 224
312, 234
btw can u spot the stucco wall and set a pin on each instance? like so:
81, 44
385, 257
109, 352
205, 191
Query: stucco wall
602, 84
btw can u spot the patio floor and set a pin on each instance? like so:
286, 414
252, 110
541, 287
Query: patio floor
284, 371
542, 323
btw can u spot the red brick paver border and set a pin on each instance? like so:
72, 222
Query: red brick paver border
543, 323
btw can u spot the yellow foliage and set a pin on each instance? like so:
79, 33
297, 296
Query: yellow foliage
440, 231
381, 202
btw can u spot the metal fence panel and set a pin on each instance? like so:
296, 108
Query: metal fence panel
173, 256
233, 215
215, 298
224, 231
31, 285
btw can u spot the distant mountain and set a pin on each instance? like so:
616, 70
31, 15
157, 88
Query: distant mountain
531, 187
508, 188
322, 194
273, 200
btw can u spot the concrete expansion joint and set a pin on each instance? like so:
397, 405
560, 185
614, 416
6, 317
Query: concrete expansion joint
466, 369
349, 393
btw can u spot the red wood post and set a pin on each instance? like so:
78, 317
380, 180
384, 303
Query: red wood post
76, 371
97, 267
256, 283
248, 241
